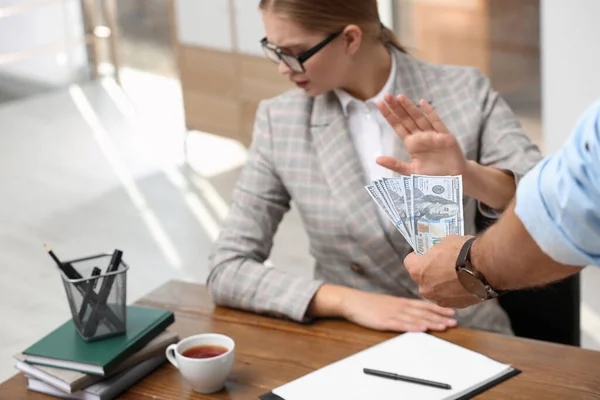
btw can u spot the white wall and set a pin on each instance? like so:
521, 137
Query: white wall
206, 23
386, 12
570, 83
250, 28
9, 3
570, 65
50, 24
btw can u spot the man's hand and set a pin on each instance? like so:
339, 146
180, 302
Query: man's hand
435, 273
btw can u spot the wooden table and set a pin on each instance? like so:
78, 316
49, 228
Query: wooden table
271, 352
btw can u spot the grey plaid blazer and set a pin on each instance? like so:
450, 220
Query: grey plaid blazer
302, 152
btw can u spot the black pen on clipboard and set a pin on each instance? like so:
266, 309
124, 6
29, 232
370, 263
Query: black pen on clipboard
397, 377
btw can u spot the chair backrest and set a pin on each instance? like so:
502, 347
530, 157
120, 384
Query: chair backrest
549, 313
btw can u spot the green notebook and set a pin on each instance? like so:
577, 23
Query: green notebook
64, 348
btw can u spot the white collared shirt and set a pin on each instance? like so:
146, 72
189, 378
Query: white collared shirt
372, 135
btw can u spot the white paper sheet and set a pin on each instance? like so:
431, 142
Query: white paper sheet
417, 355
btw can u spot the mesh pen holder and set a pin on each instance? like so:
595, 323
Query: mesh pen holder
98, 303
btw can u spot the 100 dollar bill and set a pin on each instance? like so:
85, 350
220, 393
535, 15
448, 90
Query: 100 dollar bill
437, 209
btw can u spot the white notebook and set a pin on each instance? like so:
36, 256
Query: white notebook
418, 355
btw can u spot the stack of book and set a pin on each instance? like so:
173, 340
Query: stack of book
64, 365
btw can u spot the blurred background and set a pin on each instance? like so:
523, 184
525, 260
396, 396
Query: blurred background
124, 124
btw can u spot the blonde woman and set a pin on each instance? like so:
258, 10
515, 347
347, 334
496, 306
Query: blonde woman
317, 146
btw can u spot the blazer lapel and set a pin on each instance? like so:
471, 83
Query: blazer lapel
343, 172
342, 169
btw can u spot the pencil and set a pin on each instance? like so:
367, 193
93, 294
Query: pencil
56, 260
67, 268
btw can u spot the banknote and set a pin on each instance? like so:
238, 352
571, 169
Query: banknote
437, 209
377, 196
395, 189
423, 208
408, 198
386, 198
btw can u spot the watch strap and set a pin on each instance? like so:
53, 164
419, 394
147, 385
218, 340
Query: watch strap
461, 262
463, 255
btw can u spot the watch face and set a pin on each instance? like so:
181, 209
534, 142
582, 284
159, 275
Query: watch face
472, 284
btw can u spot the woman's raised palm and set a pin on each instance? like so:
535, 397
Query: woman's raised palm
432, 148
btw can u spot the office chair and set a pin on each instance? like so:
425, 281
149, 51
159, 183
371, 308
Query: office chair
550, 313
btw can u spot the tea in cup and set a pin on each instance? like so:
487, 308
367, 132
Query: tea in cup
205, 360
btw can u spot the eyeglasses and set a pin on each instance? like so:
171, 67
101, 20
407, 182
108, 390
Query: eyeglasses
296, 63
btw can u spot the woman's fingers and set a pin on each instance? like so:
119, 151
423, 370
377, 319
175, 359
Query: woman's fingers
421, 313
401, 167
433, 313
401, 115
433, 320
391, 117
415, 117
397, 325
418, 318
433, 117
428, 305
406, 118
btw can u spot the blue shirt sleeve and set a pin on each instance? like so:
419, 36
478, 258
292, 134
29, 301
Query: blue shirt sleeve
558, 201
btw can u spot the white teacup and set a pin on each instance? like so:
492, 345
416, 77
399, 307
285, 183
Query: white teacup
206, 375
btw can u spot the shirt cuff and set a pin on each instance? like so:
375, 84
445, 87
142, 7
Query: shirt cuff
300, 311
532, 210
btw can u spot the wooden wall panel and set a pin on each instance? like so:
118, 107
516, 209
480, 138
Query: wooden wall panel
500, 37
208, 71
211, 114
515, 44
221, 90
453, 33
259, 79
210, 88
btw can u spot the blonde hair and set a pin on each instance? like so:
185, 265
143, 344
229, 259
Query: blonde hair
329, 16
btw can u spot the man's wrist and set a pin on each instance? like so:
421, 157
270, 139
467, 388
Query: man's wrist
481, 260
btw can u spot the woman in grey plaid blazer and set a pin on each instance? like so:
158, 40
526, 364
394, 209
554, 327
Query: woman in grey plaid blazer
306, 148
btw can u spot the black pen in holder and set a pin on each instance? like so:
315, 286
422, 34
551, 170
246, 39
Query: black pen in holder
98, 300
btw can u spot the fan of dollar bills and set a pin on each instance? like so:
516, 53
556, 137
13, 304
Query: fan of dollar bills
423, 208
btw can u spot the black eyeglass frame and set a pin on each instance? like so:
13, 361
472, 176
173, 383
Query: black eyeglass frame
301, 58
